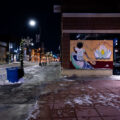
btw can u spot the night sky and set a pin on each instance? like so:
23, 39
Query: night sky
14, 16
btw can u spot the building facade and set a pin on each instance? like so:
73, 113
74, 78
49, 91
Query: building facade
9, 48
90, 41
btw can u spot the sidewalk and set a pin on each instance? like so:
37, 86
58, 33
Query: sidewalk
79, 100
17, 100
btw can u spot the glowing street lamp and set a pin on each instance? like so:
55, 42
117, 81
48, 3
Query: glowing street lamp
32, 23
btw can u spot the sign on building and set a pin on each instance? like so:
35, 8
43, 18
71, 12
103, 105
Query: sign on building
57, 8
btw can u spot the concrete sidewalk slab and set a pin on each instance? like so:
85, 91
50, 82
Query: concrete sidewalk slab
86, 100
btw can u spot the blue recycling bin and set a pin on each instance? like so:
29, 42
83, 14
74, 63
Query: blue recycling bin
12, 74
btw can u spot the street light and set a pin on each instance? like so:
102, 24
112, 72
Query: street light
33, 23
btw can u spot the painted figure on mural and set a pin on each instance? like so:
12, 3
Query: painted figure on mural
78, 60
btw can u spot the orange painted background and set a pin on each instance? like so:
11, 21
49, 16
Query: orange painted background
91, 46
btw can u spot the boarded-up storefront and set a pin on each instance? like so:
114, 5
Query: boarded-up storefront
88, 56
93, 54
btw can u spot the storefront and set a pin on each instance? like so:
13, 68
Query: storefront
90, 44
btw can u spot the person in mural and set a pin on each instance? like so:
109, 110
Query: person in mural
77, 58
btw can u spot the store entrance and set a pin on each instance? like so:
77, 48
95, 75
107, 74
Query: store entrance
116, 57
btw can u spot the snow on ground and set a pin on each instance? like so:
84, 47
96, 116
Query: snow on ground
3, 73
37, 74
3, 76
32, 113
109, 99
99, 98
68, 80
84, 100
34, 74
26, 93
115, 77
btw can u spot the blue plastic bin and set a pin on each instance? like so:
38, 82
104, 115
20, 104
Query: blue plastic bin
12, 74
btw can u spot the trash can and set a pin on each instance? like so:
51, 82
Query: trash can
12, 74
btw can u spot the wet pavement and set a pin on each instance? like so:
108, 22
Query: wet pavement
45, 95
17, 100
79, 99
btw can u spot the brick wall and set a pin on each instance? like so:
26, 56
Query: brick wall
65, 50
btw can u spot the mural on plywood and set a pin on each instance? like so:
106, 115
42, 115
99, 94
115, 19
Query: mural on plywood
91, 54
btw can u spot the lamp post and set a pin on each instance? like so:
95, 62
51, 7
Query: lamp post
21, 69
33, 23
21, 54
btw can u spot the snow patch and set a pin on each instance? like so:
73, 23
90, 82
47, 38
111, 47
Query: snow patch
109, 99
68, 102
68, 80
62, 85
115, 77
78, 101
106, 99
65, 76
90, 87
86, 99
34, 112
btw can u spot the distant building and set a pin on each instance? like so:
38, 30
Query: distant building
9, 47
35, 54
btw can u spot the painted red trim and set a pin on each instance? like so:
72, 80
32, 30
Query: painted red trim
99, 65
